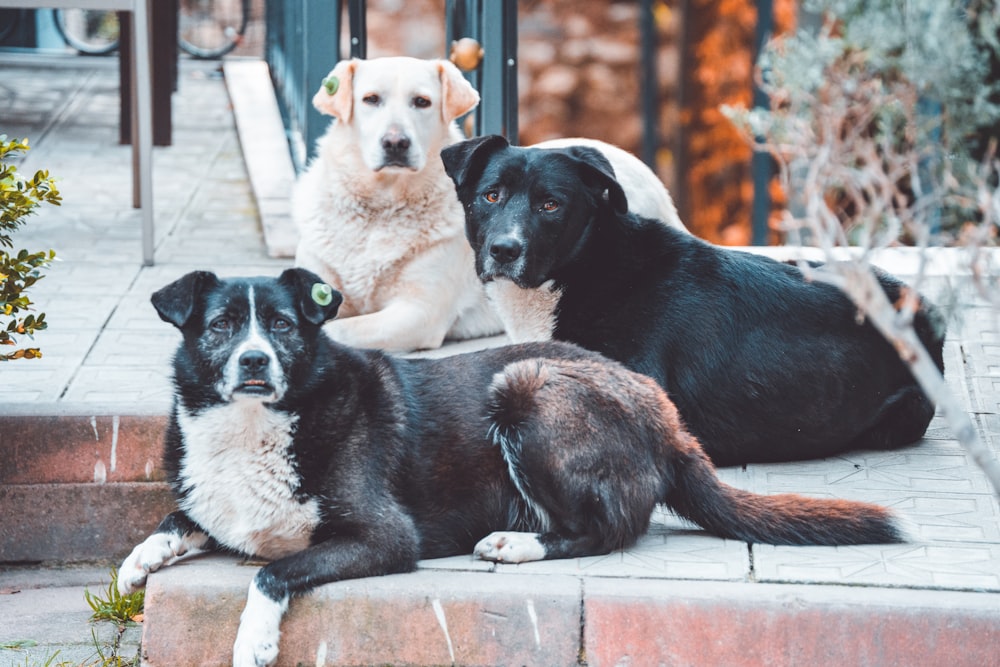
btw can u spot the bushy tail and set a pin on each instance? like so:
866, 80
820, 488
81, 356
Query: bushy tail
698, 495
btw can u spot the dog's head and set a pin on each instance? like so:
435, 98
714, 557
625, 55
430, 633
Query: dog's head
529, 211
246, 338
400, 109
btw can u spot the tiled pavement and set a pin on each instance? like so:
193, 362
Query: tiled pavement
106, 353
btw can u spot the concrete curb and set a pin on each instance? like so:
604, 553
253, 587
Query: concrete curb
434, 617
265, 151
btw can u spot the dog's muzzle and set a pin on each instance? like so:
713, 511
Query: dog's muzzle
395, 150
506, 250
254, 376
502, 257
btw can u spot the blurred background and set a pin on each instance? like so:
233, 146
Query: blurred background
650, 76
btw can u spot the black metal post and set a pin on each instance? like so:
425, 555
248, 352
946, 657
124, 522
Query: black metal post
761, 164
498, 109
320, 52
649, 88
356, 11
679, 186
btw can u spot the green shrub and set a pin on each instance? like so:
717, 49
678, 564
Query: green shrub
20, 269
880, 115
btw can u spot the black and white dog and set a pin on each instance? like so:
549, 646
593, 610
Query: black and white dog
762, 364
337, 463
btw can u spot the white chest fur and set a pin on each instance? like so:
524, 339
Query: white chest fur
239, 482
528, 314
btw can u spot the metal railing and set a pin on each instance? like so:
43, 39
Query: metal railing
303, 45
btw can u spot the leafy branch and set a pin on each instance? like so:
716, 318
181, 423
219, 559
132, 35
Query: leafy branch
871, 122
20, 269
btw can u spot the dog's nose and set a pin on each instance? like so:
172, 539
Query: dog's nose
254, 361
505, 250
395, 143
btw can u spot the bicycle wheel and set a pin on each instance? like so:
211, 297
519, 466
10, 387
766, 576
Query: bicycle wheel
88, 31
211, 28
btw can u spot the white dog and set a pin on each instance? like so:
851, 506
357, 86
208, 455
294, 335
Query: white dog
377, 214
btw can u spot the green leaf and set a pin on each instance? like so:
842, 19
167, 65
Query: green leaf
20, 269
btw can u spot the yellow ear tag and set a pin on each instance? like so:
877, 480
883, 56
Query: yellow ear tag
322, 294
331, 83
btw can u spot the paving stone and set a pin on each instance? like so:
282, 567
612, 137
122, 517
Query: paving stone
693, 623
672, 549
957, 566
136, 385
986, 394
930, 466
57, 620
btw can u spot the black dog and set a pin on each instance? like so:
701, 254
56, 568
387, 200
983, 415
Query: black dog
340, 463
763, 365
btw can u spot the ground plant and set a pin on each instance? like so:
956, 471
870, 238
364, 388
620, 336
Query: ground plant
121, 610
20, 268
882, 121
114, 606
108, 606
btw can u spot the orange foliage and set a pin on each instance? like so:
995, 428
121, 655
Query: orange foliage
718, 193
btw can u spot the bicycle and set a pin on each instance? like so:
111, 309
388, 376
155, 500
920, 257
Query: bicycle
206, 28
89, 31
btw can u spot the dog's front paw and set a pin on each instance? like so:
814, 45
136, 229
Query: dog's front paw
509, 547
260, 629
254, 651
148, 556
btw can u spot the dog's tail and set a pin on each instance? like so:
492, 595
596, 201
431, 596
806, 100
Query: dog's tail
699, 495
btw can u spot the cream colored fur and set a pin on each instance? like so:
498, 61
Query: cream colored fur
390, 237
646, 194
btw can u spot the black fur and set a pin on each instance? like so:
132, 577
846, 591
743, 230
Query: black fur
420, 458
762, 364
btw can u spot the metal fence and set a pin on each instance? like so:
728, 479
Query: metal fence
303, 43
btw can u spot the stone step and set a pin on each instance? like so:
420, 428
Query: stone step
81, 447
77, 487
79, 522
447, 616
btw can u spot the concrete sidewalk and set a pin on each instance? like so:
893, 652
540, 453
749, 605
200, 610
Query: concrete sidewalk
80, 475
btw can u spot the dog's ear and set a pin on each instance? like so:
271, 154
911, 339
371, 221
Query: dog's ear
317, 301
335, 96
596, 172
465, 160
457, 95
175, 303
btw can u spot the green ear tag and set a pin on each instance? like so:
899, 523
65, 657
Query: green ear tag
322, 294
331, 83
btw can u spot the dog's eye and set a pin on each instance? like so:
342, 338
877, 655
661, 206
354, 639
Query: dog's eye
492, 196
550, 205
221, 325
421, 102
372, 99
280, 324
